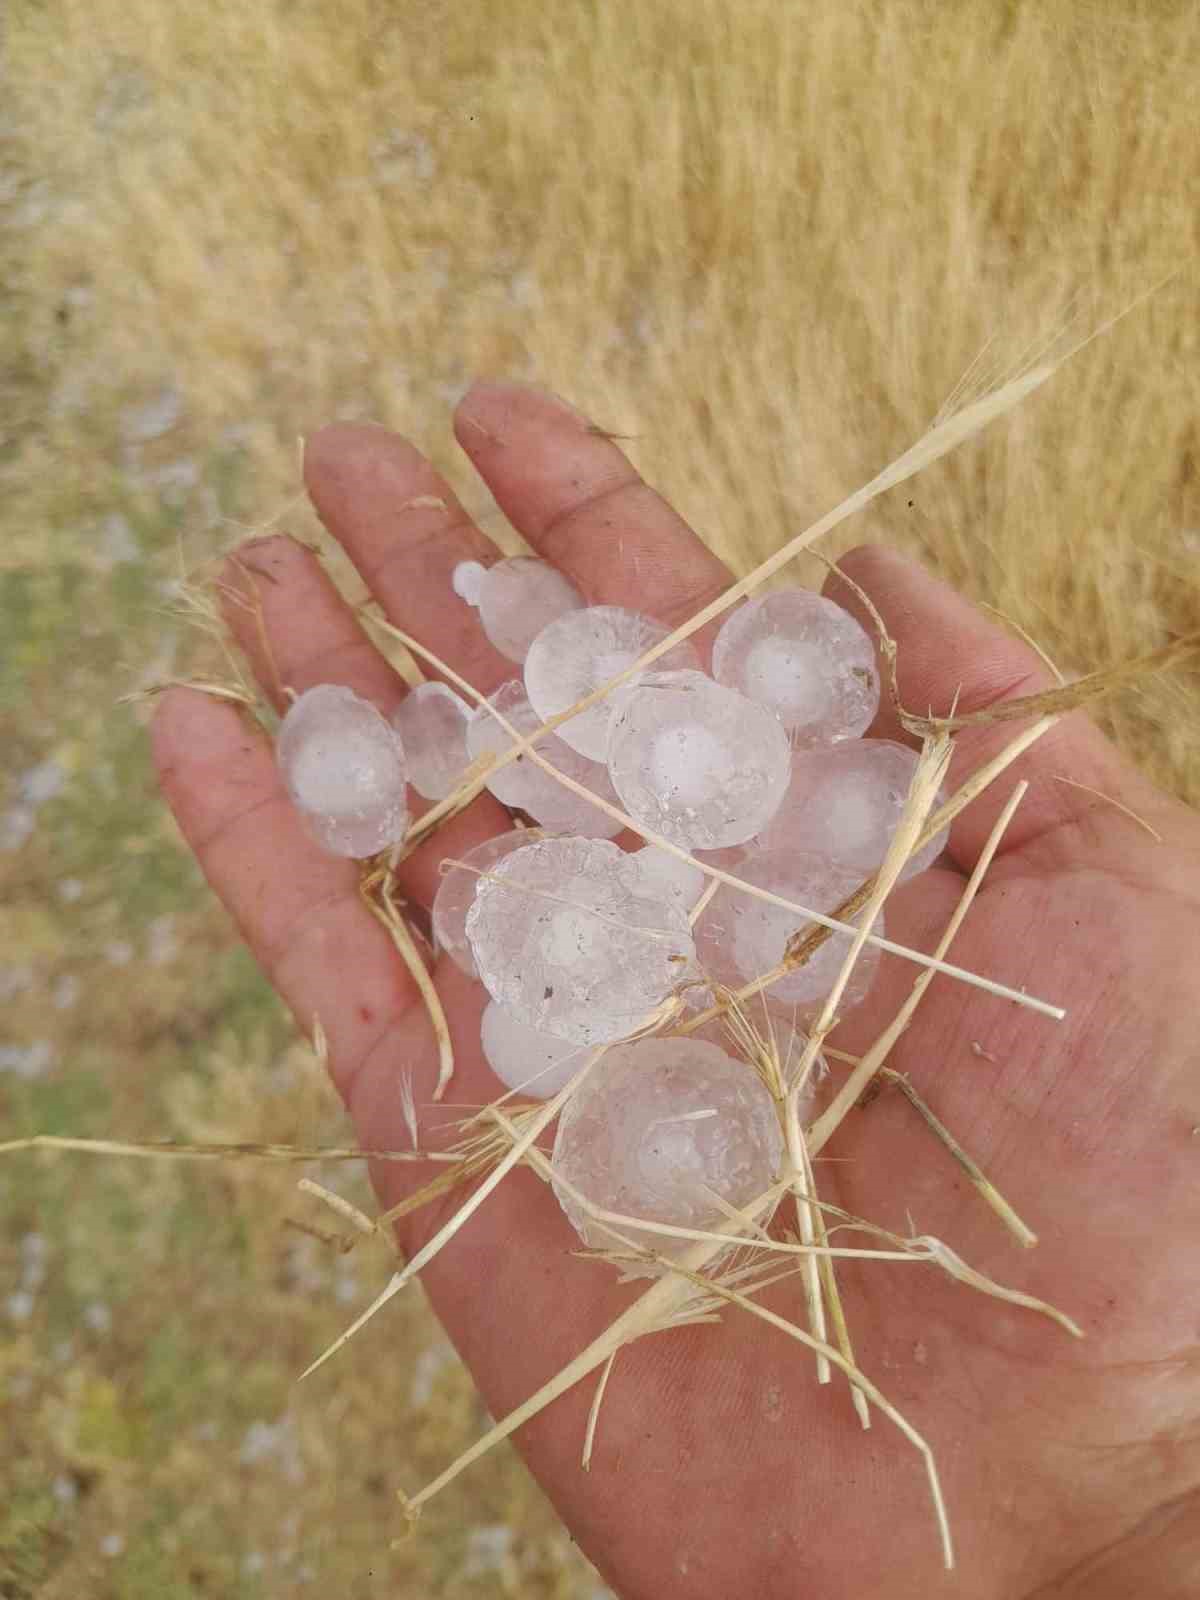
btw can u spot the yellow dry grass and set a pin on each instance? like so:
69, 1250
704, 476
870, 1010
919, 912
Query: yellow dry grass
765, 241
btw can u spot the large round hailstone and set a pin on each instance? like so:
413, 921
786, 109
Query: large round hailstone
741, 938
519, 597
844, 801
432, 723
804, 657
567, 937
456, 892
344, 768
697, 762
655, 1131
523, 783
582, 650
523, 1058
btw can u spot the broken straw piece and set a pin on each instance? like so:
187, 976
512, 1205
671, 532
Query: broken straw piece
432, 723
523, 1058
569, 939
457, 888
523, 783
655, 1129
805, 658
345, 771
740, 938
519, 597
583, 649
844, 801
697, 762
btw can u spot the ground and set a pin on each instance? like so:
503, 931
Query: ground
764, 243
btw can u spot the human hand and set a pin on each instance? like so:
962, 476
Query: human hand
720, 1468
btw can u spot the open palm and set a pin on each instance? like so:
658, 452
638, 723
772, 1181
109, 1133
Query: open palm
720, 1468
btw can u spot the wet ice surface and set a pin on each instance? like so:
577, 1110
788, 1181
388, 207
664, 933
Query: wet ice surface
805, 658
519, 597
432, 723
697, 762
582, 650
667, 874
345, 770
456, 891
523, 783
568, 938
523, 1058
845, 801
740, 938
656, 1128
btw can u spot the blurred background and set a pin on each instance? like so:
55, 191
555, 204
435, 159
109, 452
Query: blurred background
764, 241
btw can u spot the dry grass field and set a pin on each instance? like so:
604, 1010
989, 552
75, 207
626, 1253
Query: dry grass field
764, 240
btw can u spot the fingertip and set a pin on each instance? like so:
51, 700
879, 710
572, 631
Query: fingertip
189, 724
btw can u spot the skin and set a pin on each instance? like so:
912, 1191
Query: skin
1069, 1468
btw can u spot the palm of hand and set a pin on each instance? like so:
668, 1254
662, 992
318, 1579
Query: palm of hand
720, 1469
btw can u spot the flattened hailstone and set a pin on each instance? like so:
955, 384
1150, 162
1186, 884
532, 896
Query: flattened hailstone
522, 783
456, 891
535, 1063
345, 770
655, 1129
740, 938
844, 801
804, 657
432, 724
584, 649
568, 938
668, 875
697, 762
518, 598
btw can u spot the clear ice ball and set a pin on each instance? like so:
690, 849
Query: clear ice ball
584, 649
526, 785
533, 1063
806, 658
845, 800
519, 597
697, 762
655, 1130
345, 770
740, 938
432, 723
569, 939
456, 892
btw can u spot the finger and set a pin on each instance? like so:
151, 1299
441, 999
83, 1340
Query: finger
297, 907
577, 500
297, 630
404, 530
950, 655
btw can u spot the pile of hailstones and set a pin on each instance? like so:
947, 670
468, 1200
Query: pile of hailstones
760, 768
